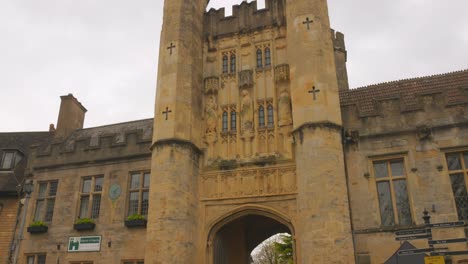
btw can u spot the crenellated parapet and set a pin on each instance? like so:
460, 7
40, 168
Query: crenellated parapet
338, 41
409, 105
245, 18
95, 145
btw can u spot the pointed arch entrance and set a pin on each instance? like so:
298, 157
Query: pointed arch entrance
233, 238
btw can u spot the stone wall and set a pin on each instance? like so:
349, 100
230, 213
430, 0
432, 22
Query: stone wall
419, 128
9, 207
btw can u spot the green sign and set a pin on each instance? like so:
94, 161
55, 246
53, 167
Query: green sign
84, 244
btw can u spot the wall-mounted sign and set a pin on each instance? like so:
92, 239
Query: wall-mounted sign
84, 244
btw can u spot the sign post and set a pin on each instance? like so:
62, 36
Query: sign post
437, 254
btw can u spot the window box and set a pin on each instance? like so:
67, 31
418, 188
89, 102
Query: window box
84, 226
136, 223
38, 229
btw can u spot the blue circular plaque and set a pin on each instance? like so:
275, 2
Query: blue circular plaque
114, 191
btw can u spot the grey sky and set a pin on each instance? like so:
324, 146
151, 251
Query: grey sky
105, 52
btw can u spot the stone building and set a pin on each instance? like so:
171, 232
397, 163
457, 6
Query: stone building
255, 132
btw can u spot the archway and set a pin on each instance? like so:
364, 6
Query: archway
234, 238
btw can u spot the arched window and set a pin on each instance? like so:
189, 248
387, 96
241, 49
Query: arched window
225, 121
225, 64
233, 121
233, 63
259, 58
267, 57
261, 116
271, 121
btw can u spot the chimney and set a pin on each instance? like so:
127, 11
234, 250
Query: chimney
71, 116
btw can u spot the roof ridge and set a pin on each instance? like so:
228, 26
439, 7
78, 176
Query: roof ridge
411, 79
121, 123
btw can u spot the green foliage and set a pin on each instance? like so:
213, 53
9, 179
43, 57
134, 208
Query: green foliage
285, 249
134, 217
84, 221
37, 224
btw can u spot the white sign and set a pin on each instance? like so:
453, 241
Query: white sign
84, 244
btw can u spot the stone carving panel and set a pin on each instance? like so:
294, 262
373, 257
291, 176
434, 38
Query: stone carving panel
211, 85
241, 183
282, 73
246, 79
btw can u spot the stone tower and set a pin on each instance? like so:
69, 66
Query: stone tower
247, 135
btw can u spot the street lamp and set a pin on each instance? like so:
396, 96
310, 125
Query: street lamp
28, 187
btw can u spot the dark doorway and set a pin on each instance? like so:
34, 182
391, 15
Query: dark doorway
234, 242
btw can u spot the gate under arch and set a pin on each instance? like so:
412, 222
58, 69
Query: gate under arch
234, 238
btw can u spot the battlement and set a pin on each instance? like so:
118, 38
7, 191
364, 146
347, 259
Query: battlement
338, 41
434, 101
246, 17
103, 144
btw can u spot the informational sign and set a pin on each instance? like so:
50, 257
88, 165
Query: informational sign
413, 232
448, 241
434, 260
449, 253
84, 244
415, 251
413, 237
447, 225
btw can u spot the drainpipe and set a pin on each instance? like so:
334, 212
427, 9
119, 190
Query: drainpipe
353, 234
27, 188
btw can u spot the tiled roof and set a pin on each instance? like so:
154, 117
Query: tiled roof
454, 85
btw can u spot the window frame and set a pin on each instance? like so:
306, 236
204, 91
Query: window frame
12, 162
91, 196
270, 116
233, 120
35, 256
233, 64
259, 58
225, 122
261, 117
463, 170
46, 199
141, 189
267, 57
132, 261
391, 179
225, 64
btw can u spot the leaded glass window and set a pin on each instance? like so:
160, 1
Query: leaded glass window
90, 197
261, 116
225, 64
45, 202
225, 122
138, 201
392, 192
457, 164
259, 58
233, 63
267, 57
271, 121
233, 120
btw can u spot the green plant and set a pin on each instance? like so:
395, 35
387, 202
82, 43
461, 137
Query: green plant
84, 221
134, 217
37, 224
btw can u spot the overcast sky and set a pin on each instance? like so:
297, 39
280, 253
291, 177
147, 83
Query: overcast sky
105, 52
